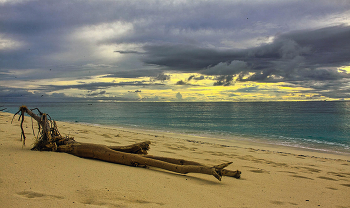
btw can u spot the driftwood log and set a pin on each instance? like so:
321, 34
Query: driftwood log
49, 139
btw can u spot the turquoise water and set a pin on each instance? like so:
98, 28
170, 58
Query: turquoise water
322, 126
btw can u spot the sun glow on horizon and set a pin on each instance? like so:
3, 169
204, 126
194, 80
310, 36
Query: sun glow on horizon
184, 87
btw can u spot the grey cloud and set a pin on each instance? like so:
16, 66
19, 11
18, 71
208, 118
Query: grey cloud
232, 95
332, 88
44, 26
197, 22
186, 37
128, 52
290, 57
190, 77
155, 98
161, 77
22, 96
263, 75
181, 82
97, 93
139, 73
93, 86
233, 67
328, 46
248, 89
179, 96
187, 58
320, 74
224, 80
9, 94
295, 57
195, 78
287, 54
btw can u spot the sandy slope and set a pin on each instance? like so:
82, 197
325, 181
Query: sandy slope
271, 176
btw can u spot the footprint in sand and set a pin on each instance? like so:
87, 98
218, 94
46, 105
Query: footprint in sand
331, 188
340, 175
32, 194
303, 177
109, 198
327, 178
259, 171
106, 136
277, 202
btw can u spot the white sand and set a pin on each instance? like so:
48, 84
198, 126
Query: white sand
269, 179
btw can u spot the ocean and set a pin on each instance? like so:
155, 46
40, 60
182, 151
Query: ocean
318, 126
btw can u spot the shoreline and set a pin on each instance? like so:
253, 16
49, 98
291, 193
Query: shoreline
271, 177
245, 142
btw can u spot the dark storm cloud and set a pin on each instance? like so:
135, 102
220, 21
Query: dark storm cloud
220, 38
332, 88
161, 77
193, 77
224, 80
291, 56
181, 82
298, 57
44, 26
186, 58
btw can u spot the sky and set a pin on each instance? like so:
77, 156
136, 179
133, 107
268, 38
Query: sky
181, 50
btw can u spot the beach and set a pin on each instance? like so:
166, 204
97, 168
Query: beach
272, 176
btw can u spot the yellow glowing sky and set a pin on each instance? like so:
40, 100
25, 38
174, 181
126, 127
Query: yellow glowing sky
192, 91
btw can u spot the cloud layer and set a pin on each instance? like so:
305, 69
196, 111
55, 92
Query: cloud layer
295, 43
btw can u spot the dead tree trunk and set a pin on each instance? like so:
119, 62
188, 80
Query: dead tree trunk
133, 155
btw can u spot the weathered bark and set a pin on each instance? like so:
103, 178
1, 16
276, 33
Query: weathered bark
132, 155
138, 148
224, 172
102, 152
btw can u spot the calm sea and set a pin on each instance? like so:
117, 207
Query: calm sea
321, 126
